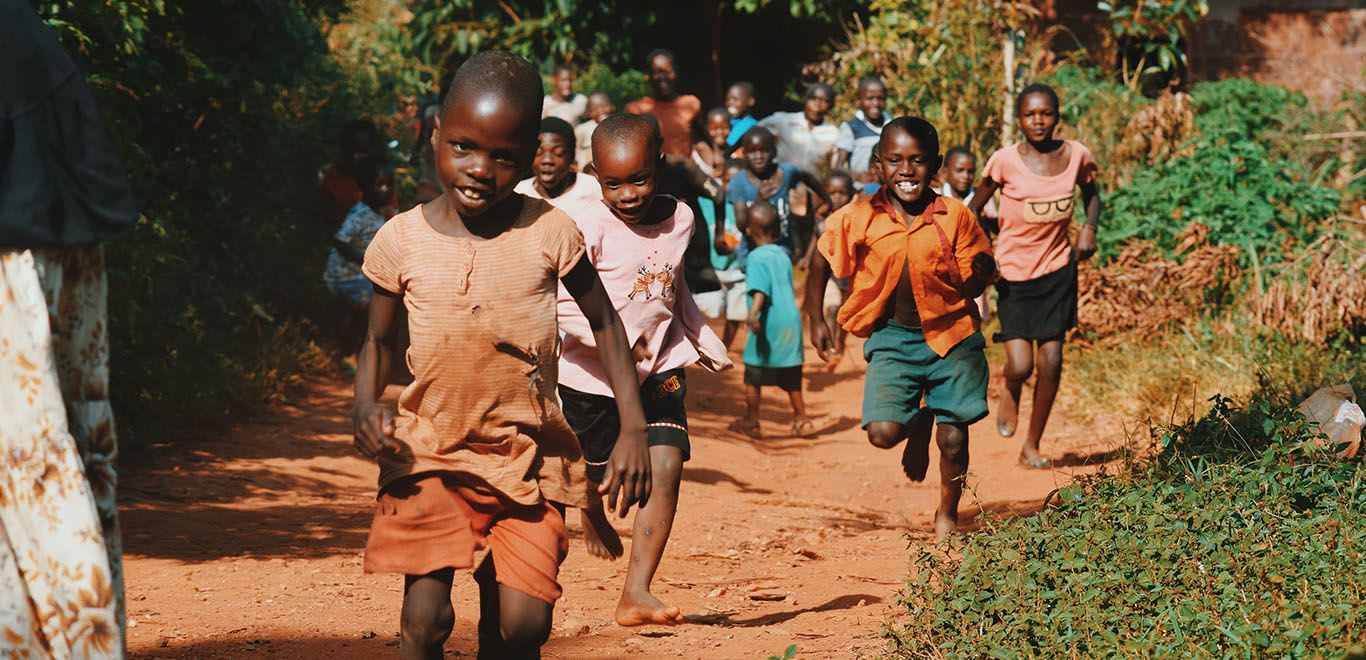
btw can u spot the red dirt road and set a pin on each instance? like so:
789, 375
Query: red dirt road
248, 544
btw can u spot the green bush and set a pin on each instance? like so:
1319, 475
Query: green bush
224, 114
1232, 542
1230, 179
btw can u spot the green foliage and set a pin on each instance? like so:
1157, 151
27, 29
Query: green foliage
1235, 541
1096, 110
211, 291
621, 87
788, 654
1156, 29
1230, 180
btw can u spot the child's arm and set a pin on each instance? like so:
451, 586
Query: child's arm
839, 159
817, 186
756, 306
373, 423
817, 276
348, 251
972, 250
628, 470
719, 230
741, 216
980, 197
1086, 242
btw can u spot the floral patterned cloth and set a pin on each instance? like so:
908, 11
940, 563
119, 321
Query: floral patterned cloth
61, 578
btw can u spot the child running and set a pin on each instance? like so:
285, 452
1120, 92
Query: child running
916, 260
773, 352
728, 302
960, 172
636, 241
342, 273
599, 106
765, 179
1037, 294
859, 136
476, 269
553, 177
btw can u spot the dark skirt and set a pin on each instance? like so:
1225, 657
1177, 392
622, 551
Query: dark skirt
787, 379
1041, 309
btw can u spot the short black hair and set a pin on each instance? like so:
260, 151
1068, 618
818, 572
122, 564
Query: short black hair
758, 132
871, 80
503, 74
369, 168
840, 174
561, 128
957, 151
650, 59
745, 85
923, 132
625, 126
362, 127
718, 110
771, 228
1038, 88
563, 66
811, 89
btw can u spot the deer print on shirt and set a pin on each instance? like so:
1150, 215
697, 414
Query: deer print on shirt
645, 279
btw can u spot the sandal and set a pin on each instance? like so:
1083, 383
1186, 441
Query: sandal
803, 428
749, 427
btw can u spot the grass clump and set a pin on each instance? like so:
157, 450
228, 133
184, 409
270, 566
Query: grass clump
1239, 538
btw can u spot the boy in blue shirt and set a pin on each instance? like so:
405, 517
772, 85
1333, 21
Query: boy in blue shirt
773, 352
765, 179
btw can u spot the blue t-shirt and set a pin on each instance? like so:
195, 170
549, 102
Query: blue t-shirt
768, 270
738, 128
357, 230
721, 261
742, 189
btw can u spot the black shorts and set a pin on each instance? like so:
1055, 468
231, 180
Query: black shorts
1041, 309
787, 379
594, 419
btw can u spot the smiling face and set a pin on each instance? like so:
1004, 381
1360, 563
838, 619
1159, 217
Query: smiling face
817, 103
564, 83
718, 127
872, 99
483, 145
554, 161
663, 77
759, 151
960, 171
625, 168
1038, 117
905, 165
739, 101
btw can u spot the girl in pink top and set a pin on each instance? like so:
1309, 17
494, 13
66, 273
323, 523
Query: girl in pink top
636, 240
1037, 292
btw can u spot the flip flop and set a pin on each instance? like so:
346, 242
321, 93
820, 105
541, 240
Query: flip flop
1004, 430
747, 427
804, 429
1037, 463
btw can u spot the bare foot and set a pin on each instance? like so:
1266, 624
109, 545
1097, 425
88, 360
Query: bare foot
915, 457
598, 534
945, 523
1032, 459
747, 426
1007, 414
643, 609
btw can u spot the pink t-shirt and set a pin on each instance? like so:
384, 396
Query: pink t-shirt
642, 269
1036, 211
582, 196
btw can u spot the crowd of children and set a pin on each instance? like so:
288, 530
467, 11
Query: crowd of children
552, 316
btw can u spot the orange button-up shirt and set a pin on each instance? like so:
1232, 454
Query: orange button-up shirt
868, 241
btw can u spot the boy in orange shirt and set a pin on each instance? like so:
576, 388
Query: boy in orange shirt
477, 269
916, 260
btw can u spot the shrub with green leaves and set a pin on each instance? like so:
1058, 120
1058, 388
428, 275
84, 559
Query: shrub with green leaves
1234, 542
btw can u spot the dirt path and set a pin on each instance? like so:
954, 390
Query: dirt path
247, 544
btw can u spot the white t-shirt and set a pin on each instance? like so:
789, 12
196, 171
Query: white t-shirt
583, 196
806, 146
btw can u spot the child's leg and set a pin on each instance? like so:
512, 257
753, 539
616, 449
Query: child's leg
1049, 362
953, 466
427, 617
728, 333
650, 532
1019, 366
801, 424
511, 624
915, 458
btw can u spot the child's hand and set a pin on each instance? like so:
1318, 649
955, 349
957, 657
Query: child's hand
628, 473
374, 429
820, 338
1086, 242
754, 325
722, 245
983, 267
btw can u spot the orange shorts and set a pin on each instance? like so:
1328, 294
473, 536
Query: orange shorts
429, 522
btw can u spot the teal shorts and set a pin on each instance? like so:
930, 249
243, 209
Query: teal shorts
903, 369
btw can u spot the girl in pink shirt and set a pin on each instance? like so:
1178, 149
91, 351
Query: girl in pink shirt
1037, 292
636, 241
